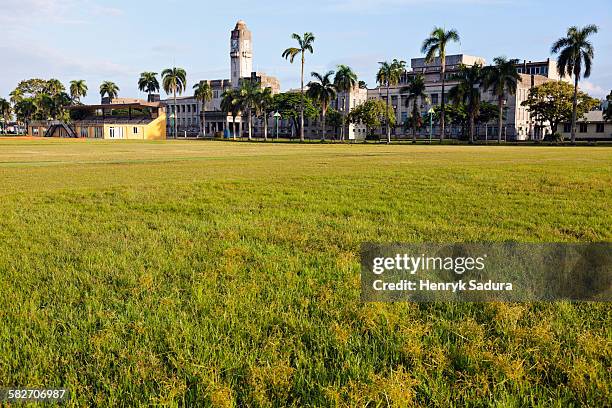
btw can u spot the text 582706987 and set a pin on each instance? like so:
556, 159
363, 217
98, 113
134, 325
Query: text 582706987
24, 394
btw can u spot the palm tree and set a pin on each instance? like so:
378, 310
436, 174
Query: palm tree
174, 80
5, 112
24, 110
304, 44
16, 96
264, 104
416, 92
467, 91
435, 46
345, 81
109, 88
248, 96
502, 78
203, 93
78, 90
148, 83
389, 75
54, 87
230, 103
323, 91
575, 50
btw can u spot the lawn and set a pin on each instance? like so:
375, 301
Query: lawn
227, 274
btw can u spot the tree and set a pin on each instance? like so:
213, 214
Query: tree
304, 44
230, 103
467, 91
148, 83
608, 112
110, 89
389, 75
345, 81
248, 95
363, 85
30, 88
335, 119
174, 81
290, 105
416, 93
575, 50
435, 46
372, 114
323, 91
24, 110
502, 79
203, 93
53, 87
5, 113
552, 102
264, 105
78, 90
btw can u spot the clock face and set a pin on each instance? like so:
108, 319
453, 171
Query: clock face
234, 45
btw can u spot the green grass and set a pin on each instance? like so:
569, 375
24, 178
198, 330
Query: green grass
227, 274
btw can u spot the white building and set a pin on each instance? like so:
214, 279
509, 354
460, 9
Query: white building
518, 124
189, 113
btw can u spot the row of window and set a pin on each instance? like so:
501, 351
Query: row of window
184, 108
533, 70
583, 128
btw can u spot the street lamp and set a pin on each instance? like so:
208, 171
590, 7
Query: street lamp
277, 116
431, 113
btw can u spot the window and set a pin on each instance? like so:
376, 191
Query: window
434, 99
583, 128
98, 132
599, 128
188, 108
115, 132
84, 132
135, 130
567, 128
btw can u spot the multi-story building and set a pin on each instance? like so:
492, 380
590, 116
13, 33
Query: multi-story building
518, 124
190, 114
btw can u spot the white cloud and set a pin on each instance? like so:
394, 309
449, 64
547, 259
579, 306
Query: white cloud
593, 89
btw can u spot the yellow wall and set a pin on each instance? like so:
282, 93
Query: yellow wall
155, 130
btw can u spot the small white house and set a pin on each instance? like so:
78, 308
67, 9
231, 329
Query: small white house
591, 127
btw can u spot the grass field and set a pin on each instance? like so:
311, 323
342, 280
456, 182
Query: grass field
227, 274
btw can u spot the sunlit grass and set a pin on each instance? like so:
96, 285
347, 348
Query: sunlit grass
227, 274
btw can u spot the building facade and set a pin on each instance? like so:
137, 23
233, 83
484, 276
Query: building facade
591, 127
518, 124
122, 119
194, 119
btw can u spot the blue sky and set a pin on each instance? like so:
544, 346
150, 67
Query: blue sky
115, 40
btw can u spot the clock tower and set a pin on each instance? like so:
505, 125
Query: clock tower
241, 53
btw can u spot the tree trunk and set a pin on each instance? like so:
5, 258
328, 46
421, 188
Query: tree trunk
323, 123
302, 102
175, 115
574, 109
265, 123
204, 120
472, 127
234, 127
388, 119
250, 123
500, 118
443, 113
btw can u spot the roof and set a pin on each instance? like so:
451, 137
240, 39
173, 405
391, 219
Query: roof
119, 105
592, 117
